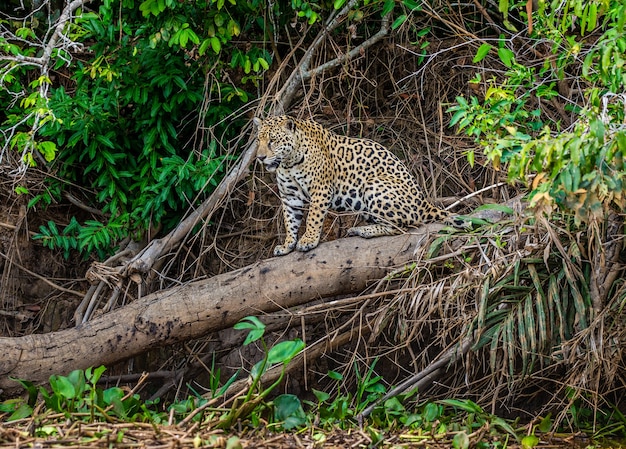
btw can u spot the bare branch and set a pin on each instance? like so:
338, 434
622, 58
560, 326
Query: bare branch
424, 377
302, 72
43, 62
356, 51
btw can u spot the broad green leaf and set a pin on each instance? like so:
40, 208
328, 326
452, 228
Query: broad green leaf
30, 388
463, 404
321, 396
48, 150
216, 45
398, 22
285, 405
62, 386
458, 115
335, 375
498, 207
546, 424
77, 378
284, 351
257, 328
387, 7
529, 441
431, 412
592, 16
482, 52
21, 412
460, 440
506, 56
263, 63
249, 322
394, 405
470, 157
111, 394
412, 5
233, 28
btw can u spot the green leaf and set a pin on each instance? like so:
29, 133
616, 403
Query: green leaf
470, 157
77, 378
497, 207
288, 410
387, 7
263, 63
110, 395
592, 16
398, 22
460, 440
546, 424
62, 386
529, 441
412, 5
463, 404
432, 412
338, 3
30, 388
321, 396
204, 46
506, 56
503, 425
21, 412
458, 115
216, 45
482, 52
335, 375
48, 150
257, 328
284, 351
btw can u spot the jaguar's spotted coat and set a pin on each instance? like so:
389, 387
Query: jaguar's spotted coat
316, 166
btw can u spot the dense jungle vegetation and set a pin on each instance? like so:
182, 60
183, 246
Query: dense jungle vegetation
126, 160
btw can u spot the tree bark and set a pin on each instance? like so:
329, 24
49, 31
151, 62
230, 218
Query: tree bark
198, 308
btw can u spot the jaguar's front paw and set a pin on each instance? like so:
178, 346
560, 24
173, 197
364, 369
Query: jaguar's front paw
305, 246
283, 250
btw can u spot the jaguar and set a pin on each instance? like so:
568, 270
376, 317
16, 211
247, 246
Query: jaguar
314, 166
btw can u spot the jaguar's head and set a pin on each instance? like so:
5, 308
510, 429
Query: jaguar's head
276, 138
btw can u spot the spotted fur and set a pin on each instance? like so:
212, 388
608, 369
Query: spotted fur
325, 170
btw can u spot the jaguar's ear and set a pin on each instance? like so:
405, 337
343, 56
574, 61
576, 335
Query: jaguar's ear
257, 121
290, 125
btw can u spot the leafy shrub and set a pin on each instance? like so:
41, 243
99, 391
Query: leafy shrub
119, 127
579, 170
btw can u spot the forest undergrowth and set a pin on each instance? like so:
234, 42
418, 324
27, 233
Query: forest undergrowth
520, 317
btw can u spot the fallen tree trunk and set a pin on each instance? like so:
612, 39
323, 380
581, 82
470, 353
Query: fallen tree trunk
196, 309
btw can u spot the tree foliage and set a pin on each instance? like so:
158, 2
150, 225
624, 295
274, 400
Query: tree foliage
577, 167
117, 109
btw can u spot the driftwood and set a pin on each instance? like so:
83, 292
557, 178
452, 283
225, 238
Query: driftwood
196, 309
